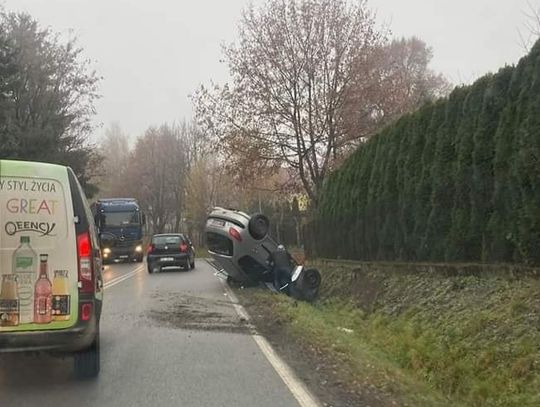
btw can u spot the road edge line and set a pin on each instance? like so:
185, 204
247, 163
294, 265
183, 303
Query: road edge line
296, 386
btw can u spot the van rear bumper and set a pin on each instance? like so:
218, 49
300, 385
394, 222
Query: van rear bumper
73, 339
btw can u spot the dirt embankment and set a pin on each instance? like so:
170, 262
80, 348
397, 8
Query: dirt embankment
418, 335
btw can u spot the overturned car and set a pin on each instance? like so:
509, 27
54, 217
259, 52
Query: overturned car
245, 252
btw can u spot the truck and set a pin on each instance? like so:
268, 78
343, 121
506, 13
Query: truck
121, 225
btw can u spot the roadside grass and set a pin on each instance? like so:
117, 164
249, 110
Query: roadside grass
201, 252
434, 341
326, 327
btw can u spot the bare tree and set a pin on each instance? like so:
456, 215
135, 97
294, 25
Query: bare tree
114, 148
394, 81
290, 73
531, 30
195, 143
158, 172
154, 175
198, 199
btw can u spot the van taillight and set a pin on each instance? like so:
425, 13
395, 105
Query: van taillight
86, 311
84, 254
151, 248
183, 247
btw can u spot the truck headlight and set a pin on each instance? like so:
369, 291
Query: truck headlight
138, 249
106, 251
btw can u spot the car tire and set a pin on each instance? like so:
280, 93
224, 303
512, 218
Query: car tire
192, 265
149, 268
139, 258
86, 363
258, 226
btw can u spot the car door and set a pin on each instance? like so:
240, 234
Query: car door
84, 211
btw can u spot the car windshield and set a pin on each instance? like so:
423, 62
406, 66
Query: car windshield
119, 218
290, 203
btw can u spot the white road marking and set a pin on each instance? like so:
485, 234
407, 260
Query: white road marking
123, 277
298, 389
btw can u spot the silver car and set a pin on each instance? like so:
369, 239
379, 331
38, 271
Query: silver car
241, 246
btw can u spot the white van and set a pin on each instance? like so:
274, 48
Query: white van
51, 285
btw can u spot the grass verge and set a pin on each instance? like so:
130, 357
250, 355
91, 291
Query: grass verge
201, 252
430, 340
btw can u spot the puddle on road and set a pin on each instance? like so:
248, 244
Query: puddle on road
181, 311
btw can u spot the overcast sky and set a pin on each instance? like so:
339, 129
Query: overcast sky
153, 53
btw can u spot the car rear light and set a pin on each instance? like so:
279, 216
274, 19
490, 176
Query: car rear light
183, 247
86, 311
84, 254
235, 234
151, 248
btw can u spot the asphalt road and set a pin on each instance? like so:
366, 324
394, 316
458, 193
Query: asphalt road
168, 339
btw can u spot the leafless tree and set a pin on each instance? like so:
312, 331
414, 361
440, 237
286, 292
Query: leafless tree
156, 171
530, 32
311, 79
114, 148
290, 72
156, 175
394, 81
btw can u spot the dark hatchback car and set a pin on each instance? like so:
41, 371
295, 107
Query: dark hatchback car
170, 251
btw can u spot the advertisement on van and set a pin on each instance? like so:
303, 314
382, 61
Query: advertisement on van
38, 272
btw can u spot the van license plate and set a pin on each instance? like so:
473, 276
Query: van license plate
167, 259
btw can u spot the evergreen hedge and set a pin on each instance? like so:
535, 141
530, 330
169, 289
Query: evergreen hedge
457, 180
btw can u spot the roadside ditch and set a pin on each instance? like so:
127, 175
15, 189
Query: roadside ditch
386, 334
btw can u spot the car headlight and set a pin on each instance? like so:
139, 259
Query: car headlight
106, 251
138, 249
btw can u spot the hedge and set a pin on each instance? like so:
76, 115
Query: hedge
457, 180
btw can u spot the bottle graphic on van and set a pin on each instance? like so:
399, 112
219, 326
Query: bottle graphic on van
61, 300
25, 268
43, 294
9, 301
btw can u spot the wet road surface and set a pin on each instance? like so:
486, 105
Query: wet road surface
167, 339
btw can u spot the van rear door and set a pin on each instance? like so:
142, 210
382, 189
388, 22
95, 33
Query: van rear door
38, 248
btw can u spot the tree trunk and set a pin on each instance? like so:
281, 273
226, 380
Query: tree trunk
299, 242
177, 221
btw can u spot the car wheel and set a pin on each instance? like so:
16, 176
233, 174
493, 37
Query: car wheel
139, 258
150, 269
87, 362
258, 226
192, 264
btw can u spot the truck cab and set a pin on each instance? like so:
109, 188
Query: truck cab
121, 225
